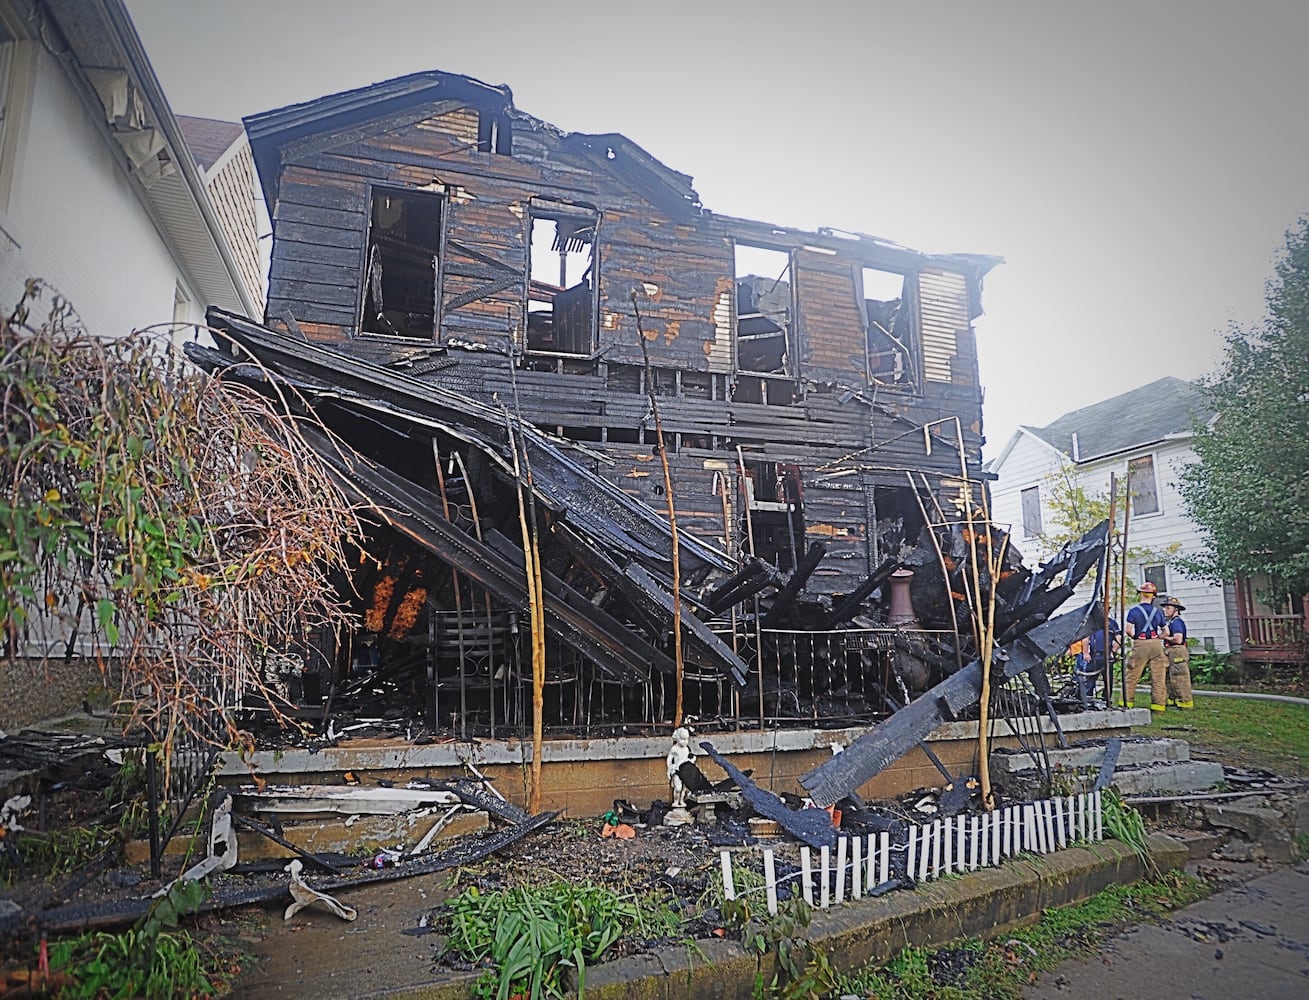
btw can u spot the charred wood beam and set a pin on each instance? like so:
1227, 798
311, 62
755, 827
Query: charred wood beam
700, 634
408, 508
579, 608
761, 575
747, 569
644, 612
849, 606
799, 577
86, 917
597, 506
813, 826
876, 750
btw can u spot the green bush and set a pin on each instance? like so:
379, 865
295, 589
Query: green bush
1215, 668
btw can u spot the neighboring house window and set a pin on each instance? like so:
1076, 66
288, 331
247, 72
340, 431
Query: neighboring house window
1145, 491
1157, 575
1031, 511
404, 238
561, 296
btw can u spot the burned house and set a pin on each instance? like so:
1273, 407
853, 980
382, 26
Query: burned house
503, 321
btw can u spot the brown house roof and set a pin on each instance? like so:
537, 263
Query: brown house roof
208, 138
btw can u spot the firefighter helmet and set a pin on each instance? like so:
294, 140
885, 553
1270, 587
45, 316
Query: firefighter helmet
1147, 588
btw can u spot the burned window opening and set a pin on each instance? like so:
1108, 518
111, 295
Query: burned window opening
561, 293
763, 310
776, 511
891, 339
765, 391
404, 243
494, 132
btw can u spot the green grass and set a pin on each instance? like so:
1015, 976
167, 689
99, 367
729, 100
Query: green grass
1245, 731
999, 970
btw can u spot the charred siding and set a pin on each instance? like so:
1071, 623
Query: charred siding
824, 417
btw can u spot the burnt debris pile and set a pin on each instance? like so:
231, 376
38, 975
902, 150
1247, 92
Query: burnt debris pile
463, 495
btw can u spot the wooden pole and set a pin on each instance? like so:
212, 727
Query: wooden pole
672, 511
1128, 699
535, 595
459, 602
988, 649
1107, 568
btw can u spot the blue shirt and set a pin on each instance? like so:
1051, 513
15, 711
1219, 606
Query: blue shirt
1096, 639
1177, 627
1147, 620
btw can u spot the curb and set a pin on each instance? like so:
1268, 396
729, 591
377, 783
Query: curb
985, 903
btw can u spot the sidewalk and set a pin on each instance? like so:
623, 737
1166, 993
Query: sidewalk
1249, 940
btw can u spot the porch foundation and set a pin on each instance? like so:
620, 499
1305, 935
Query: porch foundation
582, 777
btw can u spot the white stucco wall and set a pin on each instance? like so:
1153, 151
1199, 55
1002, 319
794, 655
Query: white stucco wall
75, 219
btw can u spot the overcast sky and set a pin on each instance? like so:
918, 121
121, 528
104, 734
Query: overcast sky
1136, 163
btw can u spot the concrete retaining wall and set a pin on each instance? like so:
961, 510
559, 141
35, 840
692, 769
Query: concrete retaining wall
583, 777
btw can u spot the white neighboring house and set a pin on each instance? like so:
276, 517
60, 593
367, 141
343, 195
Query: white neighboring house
99, 195
1149, 430
222, 152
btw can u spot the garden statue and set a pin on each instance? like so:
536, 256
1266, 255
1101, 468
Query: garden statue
678, 754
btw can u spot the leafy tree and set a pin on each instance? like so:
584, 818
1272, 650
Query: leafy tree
1249, 491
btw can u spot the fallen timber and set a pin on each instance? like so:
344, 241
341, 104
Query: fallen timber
83, 916
612, 535
1026, 652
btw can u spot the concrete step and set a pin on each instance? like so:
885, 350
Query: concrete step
1174, 778
1089, 755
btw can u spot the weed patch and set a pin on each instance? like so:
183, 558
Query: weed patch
526, 937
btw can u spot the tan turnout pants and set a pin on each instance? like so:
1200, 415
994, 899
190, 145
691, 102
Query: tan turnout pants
1148, 654
1179, 677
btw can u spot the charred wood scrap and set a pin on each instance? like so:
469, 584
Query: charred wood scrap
785, 598
93, 916
812, 826
886, 743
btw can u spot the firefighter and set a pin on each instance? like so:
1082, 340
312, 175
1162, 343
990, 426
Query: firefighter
1179, 654
1145, 627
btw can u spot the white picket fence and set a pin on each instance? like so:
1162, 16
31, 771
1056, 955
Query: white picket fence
949, 845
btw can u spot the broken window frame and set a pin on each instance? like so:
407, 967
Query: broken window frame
1136, 468
774, 501
556, 211
375, 265
787, 332
905, 332
494, 132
